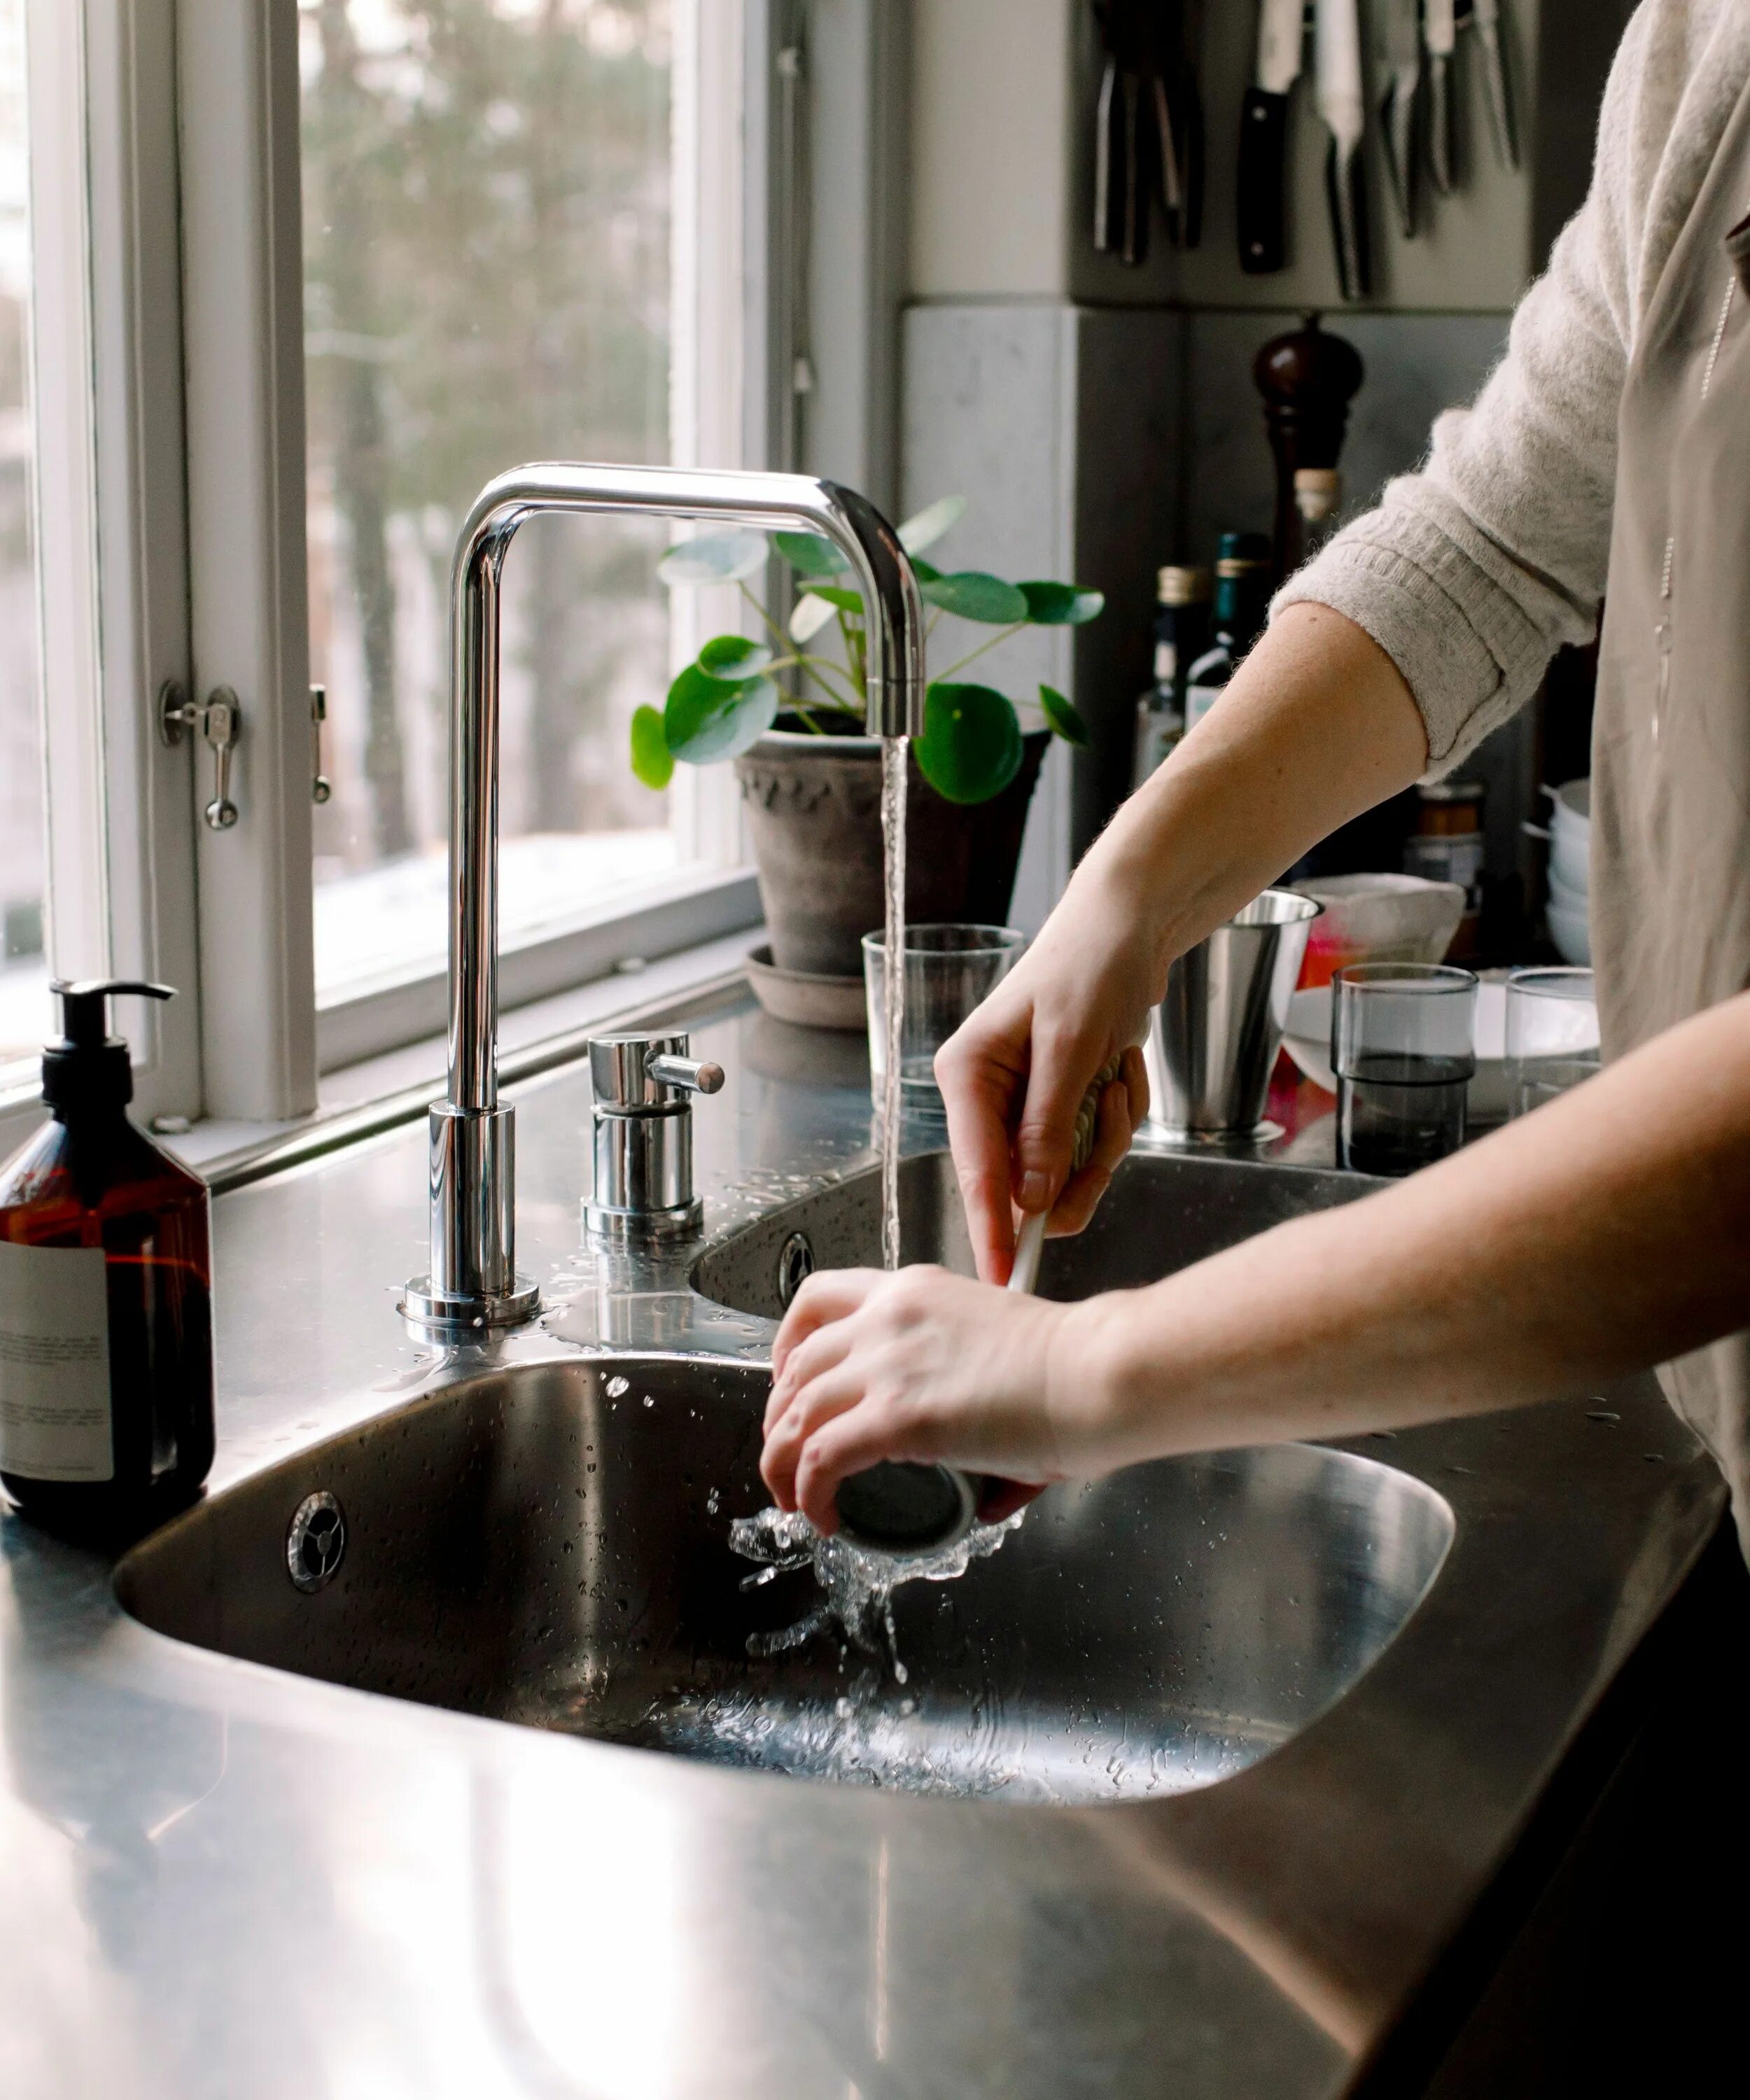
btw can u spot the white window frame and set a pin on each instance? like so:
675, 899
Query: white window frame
265, 1039
169, 395
106, 397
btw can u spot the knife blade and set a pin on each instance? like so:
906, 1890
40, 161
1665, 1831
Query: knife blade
1337, 68
1486, 20
1440, 36
1400, 39
1261, 202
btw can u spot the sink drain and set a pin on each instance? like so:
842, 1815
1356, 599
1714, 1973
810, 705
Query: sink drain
315, 1541
795, 1265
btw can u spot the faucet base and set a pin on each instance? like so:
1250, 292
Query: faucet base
678, 1223
467, 1311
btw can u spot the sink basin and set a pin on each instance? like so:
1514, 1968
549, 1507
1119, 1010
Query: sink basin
547, 1543
1163, 1211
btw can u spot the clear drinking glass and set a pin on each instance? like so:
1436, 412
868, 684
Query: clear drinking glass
1552, 1034
1402, 1048
948, 970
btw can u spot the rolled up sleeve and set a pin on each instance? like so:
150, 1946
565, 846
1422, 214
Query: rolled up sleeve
1475, 569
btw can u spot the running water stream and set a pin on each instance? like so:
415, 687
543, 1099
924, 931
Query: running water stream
893, 757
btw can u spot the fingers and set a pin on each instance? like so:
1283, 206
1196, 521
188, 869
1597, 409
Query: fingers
981, 1078
1062, 1067
848, 1439
1133, 1071
1002, 1498
829, 1294
1113, 1131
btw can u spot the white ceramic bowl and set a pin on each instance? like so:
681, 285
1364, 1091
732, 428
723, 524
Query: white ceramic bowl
1307, 1040
1564, 898
1571, 932
1379, 919
1571, 833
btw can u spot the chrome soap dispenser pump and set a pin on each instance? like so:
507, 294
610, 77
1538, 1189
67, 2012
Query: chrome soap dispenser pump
642, 1124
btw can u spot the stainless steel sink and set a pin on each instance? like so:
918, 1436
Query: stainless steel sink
549, 1544
1164, 1210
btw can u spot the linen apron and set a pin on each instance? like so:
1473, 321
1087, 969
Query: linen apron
1670, 882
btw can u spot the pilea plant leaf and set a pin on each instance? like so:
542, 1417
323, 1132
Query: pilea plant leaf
971, 747
970, 594
733, 657
1062, 715
714, 558
708, 718
652, 760
810, 613
810, 555
1062, 605
928, 526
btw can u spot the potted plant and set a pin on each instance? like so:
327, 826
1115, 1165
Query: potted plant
811, 778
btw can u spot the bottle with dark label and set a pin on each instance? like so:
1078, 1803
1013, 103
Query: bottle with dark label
1181, 628
1242, 600
106, 1329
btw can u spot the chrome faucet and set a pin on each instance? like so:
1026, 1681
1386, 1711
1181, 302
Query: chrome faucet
472, 1283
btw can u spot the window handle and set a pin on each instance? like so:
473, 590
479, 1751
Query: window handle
220, 721
321, 787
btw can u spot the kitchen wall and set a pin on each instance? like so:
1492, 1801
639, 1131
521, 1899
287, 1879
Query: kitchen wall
1102, 420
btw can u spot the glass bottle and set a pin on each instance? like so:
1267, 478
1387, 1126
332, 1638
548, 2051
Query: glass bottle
1242, 600
106, 1327
1181, 626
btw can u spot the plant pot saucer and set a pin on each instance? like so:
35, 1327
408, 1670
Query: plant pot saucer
802, 997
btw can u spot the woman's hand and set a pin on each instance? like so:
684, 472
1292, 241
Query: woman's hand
925, 1366
1013, 1075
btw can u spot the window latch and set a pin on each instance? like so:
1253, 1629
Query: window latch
321, 787
220, 721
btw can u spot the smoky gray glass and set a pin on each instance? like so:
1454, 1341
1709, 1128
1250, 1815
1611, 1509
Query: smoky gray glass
1403, 1049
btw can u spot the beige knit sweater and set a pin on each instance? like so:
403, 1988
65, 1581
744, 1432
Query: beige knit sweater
1475, 570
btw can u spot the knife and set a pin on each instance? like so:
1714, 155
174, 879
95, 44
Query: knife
1337, 67
1401, 41
1439, 34
1261, 202
1486, 21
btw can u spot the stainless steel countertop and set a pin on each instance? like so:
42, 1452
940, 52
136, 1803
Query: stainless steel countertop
219, 1880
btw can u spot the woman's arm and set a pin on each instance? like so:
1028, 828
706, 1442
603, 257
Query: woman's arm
1603, 1234
1316, 726
1419, 628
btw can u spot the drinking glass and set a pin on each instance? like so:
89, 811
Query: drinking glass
1552, 1034
1402, 1049
948, 970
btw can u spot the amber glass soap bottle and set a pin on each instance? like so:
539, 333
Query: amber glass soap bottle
106, 1329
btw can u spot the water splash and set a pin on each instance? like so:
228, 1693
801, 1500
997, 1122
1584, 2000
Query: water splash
893, 761
857, 1583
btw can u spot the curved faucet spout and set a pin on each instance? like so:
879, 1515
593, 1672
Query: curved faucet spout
472, 1282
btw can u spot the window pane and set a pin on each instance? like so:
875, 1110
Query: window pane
487, 199
24, 1018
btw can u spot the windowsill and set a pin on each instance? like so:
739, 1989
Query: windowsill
670, 918
393, 1087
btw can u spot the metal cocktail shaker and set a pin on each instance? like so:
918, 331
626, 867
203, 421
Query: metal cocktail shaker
1214, 1038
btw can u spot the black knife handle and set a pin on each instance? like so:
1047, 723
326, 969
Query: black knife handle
1263, 181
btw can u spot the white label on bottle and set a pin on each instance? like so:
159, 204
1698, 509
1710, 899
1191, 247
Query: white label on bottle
55, 1364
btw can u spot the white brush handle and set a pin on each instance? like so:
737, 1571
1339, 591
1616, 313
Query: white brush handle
1025, 1275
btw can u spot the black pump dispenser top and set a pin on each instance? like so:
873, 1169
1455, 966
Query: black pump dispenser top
89, 1068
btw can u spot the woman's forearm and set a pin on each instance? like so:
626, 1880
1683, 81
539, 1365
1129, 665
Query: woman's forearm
1600, 1236
1316, 726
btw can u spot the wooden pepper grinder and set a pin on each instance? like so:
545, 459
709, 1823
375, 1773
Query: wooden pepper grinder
1308, 379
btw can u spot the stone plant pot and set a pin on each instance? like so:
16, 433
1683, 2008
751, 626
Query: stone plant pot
815, 813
